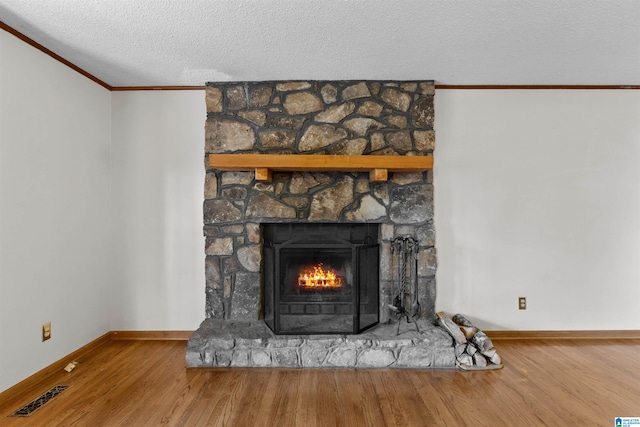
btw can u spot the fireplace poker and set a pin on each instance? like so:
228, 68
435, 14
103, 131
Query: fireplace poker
405, 304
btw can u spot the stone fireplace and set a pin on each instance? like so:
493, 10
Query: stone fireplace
255, 218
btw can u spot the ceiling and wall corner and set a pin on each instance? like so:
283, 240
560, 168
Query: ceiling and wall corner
153, 43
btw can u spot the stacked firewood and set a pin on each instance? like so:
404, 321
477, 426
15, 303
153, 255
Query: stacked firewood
474, 349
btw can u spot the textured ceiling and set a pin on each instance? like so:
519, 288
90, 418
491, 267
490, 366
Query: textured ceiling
467, 42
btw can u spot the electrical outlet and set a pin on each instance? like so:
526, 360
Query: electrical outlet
522, 303
46, 331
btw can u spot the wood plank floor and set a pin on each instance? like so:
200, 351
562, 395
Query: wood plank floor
145, 383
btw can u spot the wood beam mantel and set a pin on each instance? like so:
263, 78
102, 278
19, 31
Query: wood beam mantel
264, 164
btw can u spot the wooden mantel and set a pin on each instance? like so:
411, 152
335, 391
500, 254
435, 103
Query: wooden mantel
264, 164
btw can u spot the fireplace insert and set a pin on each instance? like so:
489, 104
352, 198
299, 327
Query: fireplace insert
320, 278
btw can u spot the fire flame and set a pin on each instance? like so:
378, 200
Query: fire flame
318, 277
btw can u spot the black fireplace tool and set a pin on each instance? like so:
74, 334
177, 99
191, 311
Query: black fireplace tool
405, 305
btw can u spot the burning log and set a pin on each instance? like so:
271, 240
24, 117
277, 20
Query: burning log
318, 277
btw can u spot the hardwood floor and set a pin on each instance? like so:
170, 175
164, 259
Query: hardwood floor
145, 383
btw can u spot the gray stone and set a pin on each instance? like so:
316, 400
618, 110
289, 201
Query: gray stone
400, 140
230, 265
213, 99
375, 88
381, 192
427, 88
242, 178
362, 185
426, 234
253, 232
283, 341
285, 357
357, 342
221, 343
404, 178
342, 357
318, 342
422, 113
234, 193
278, 138
387, 231
329, 93
425, 140
386, 269
427, 262
409, 87
359, 90
223, 135
370, 108
394, 341
213, 304
196, 359
396, 99
415, 357
298, 202
336, 113
254, 116
411, 204
360, 126
210, 186
399, 122
351, 147
328, 204
264, 206
312, 357
212, 269
302, 103
260, 358
293, 123
223, 358
290, 86
250, 257
377, 141
375, 358
260, 96
444, 357
301, 182
246, 297
216, 211
219, 246
233, 229
240, 358
249, 343
370, 209
236, 98
318, 136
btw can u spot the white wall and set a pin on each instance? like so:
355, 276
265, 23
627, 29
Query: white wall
54, 209
537, 194
158, 182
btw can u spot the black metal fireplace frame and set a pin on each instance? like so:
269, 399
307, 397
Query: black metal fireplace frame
369, 248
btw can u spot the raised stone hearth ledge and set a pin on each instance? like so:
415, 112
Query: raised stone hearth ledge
220, 344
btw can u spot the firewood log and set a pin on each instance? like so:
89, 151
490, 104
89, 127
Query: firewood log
460, 348
451, 327
482, 341
479, 360
471, 349
496, 359
468, 331
461, 320
465, 359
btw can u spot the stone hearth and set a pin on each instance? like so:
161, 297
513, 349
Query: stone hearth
222, 343
314, 118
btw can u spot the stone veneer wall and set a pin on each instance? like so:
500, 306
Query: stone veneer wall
314, 117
